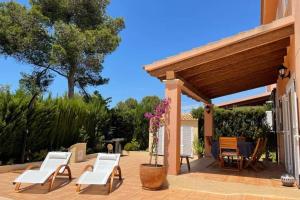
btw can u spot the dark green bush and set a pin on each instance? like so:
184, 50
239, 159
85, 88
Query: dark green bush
57, 123
240, 121
132, 146
52, 124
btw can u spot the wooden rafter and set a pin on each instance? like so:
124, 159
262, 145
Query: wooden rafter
227, 75
241, 62
187, 88
260, 36
260, 55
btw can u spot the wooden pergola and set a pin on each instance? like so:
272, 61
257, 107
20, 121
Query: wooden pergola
245, 61
254, 100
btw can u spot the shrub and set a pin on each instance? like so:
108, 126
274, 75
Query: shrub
53, 124
132, 146
240, 121
198, 146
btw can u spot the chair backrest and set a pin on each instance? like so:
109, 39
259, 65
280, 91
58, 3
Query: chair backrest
106, 161
262, 148
228, 143
256, 149
54, 159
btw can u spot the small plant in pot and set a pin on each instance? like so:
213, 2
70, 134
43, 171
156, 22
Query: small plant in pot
153, 175
198, 146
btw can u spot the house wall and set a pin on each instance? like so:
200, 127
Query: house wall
272, 10
192, 123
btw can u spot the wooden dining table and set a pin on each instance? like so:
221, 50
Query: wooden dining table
245, 148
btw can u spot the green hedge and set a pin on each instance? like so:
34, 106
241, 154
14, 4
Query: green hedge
240, 121
58, 123
53, 124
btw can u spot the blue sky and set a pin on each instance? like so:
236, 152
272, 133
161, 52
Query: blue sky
156, 29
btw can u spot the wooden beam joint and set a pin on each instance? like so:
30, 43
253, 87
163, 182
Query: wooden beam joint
188, 89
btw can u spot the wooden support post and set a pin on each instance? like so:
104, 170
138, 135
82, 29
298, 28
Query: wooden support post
172, 127
208, 129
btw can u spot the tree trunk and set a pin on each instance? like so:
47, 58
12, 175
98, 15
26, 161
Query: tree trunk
26, 132
71, 83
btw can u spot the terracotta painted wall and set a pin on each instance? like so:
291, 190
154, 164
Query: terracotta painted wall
269, 13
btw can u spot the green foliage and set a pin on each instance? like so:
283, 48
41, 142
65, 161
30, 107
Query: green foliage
129, 122
240, 121
198, 146
58, 123
52, 124
132, 146
69, 37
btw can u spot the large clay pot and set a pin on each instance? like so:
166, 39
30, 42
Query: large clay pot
152, 177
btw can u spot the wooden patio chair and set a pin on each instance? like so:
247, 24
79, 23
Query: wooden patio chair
104, 170
262, 150
229, 148
55, 164
257, 152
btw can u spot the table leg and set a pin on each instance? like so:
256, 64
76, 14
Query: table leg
188, 163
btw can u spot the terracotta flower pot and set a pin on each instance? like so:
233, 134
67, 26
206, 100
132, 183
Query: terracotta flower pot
152, 177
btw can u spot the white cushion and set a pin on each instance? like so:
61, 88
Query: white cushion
58, 155
108, 157
34, 176
94, 178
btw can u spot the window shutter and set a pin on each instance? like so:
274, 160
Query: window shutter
186, 140
160, 145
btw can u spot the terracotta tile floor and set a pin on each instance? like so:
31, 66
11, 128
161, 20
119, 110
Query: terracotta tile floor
207, 170
130, 187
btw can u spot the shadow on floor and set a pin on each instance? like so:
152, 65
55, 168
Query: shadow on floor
208, 166
43, 189
101, 189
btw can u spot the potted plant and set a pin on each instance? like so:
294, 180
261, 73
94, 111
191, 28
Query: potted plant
153, 175
198, 146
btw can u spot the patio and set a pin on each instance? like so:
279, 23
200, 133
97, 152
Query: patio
202, 183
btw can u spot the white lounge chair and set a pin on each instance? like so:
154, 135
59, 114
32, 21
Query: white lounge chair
54, 164
106, 167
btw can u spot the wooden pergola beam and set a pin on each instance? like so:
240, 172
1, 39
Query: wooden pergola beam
258, 55
237, 85
243, 42
241, 79
228, 75
241, 88
188, 89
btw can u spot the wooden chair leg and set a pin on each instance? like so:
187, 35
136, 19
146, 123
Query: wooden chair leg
221, 161
112, 176
239, 163
51, 182
188, 163
69, 172
180, 161
17, 188
78, 187
119, 172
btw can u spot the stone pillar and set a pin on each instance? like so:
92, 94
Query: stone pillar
172, 127
208, 128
